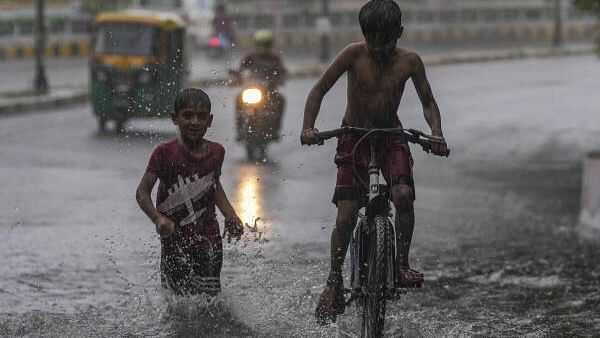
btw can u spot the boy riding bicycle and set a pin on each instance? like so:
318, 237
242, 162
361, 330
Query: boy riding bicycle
377, 74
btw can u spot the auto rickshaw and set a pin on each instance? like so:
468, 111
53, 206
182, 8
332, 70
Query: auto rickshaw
138, 65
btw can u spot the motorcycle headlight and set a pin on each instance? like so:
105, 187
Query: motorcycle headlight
251, 96
144, 77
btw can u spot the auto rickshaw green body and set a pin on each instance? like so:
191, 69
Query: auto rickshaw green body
138, 65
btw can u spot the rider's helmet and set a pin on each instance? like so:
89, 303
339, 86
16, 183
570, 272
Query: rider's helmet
263, 40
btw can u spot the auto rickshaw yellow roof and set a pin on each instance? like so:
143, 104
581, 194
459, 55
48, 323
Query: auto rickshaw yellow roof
162, 19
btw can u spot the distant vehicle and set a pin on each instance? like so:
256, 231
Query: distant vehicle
218, 46
197, 14
138, 65
258, 115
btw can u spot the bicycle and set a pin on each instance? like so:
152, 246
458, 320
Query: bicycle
373, 245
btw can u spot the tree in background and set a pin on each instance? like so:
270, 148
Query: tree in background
589, 5
40, 84
594, 7
94, 7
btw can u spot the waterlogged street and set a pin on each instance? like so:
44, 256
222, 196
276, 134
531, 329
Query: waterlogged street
496, 234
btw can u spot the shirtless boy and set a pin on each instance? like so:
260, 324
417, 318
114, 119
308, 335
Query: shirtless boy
377, 74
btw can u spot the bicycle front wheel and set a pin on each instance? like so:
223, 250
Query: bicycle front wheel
374, 300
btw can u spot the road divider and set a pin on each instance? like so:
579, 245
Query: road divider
306, 40
309, 39
55, 49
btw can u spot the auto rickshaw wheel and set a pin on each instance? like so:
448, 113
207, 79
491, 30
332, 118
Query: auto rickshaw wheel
102, 120
120, 125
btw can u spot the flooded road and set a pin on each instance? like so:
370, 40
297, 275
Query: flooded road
496, 234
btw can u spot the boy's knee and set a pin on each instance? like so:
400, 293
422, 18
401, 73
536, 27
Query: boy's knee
344, 222
346, 216
402, 197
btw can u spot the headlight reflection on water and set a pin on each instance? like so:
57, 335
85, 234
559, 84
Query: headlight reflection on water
248, 201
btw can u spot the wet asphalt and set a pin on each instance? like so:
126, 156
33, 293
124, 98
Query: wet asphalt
497, 232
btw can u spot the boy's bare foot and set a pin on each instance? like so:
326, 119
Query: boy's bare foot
409, 278
331, 303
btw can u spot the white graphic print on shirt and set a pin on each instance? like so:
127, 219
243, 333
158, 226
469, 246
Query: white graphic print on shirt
184, 193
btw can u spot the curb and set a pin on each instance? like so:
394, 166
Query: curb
59, 49
63, 97
512, 54
317, 69
60, 98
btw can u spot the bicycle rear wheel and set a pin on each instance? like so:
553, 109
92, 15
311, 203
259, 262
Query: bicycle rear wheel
374, 301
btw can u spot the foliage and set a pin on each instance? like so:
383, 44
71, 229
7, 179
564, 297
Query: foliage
591, 6
588, 5
96, 6
6, 27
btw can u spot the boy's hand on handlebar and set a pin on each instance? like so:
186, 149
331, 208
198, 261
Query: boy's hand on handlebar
438, 145
164, 226
310, 136
234, 228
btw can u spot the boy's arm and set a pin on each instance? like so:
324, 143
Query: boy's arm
233, 224
430, 107
164, 226
340, 64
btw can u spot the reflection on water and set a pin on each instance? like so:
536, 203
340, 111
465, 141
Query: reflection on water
248, 200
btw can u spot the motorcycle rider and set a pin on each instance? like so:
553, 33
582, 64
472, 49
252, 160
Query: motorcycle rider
265, 65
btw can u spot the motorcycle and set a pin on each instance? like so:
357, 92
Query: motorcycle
258, 116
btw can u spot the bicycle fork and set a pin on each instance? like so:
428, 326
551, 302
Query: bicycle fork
384, 212
378, 207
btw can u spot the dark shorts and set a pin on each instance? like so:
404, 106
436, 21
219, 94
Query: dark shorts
393, 157
193, 271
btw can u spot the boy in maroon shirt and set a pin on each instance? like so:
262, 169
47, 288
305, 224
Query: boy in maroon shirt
189, 169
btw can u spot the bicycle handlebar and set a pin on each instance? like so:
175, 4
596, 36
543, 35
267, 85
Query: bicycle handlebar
412, 135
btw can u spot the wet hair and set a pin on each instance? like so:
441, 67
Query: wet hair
381, 19
191, 98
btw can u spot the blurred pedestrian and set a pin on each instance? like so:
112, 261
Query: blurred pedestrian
223, 25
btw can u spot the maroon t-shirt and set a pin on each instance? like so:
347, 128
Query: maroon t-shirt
186, 193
